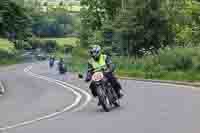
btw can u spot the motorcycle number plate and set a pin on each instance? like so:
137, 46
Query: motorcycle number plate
97, 76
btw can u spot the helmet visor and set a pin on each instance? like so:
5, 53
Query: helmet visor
94, 53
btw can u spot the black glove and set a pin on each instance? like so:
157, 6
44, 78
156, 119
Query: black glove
88, 77
87, 80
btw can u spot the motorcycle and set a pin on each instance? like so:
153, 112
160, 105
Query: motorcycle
105, 92
61, 68
51, 63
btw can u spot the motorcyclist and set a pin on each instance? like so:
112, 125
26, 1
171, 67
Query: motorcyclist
98, 60
61, 65
51, 61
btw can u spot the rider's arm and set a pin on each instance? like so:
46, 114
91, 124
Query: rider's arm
89, 73
110, 64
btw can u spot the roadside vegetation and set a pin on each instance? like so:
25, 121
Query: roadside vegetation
6, 45
147, 39
67, 41
168, 64
70, 7
28, 27
8, 53
152, 40
179, 63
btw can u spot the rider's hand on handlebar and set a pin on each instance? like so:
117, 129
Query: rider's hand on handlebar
87, 80
107, 71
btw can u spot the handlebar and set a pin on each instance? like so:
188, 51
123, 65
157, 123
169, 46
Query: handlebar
102, 68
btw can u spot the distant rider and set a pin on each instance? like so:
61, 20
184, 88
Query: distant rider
51, 61
61, 66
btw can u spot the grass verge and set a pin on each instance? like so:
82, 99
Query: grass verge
70, 41
178, 64
8, 54
6, 45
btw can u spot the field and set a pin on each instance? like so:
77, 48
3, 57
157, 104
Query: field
5, 45
70, 41
74, 8
8, 54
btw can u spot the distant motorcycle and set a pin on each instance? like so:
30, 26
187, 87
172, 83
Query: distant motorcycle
61, 68
51, 63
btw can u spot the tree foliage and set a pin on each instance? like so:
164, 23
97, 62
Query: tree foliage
144, 27
141, 26
96, 12
15, 21
56, 22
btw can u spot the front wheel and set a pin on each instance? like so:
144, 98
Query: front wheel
103, 99
105, 104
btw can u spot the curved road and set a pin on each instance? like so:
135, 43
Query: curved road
146, 108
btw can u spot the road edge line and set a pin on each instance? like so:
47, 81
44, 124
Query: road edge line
194, 87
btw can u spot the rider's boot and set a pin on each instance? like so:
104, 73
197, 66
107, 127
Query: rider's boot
119, 94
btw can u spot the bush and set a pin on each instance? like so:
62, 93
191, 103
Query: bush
80, 52
50, 45
178, 63
35, 43
4, 54
21, 44
184, 63
176, 58
8, 57
96, 38
46, 45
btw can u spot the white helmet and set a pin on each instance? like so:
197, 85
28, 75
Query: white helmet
95, 51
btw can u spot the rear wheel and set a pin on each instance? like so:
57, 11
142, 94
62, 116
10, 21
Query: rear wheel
115, 100
116, 104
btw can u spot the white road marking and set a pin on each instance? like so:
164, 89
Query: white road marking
82, 91
2, 88
78, 98
180, 86
71, 88
193, 88
88, 96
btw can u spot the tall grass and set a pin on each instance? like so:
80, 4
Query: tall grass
177, 63
8, 54
170, 64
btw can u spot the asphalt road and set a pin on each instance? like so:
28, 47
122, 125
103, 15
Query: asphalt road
146, 108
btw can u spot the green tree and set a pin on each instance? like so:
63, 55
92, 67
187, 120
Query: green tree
143, 27
96, 12
15, 21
